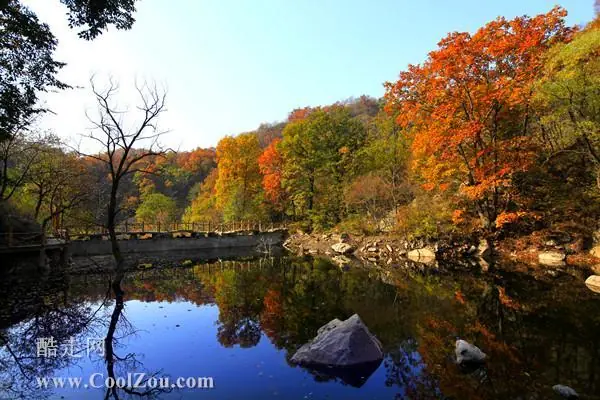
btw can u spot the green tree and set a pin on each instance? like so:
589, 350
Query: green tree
384, 157
319, 153
156, 208
569, 94
27, 64
203, 207
96, 15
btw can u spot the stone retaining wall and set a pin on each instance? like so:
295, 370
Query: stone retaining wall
155, 242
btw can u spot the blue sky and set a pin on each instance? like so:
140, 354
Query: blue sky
231, 64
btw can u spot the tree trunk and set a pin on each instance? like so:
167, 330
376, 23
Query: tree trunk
38, 205
109, 355
112, 215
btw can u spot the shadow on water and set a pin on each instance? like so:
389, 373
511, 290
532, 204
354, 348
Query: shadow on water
355, 375
536, 331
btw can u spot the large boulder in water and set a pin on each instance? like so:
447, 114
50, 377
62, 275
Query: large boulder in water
466, 353
341, 344
565, 392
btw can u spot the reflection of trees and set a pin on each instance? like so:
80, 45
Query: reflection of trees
119, 366
403, 366
536, 333
47, 311
239, 297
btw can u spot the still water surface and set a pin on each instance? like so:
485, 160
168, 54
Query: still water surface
240, 322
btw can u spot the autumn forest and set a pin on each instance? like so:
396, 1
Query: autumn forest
436, 239
496, 132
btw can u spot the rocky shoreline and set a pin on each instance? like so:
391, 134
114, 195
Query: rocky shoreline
390, 252
385, 249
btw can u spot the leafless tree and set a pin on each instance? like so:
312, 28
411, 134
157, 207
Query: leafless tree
127, 138
18, 153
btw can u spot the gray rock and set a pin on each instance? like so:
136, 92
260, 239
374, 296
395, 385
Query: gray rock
466, 353
565, 392
593, 283
342, 248
341, 344
484, 249
551, 257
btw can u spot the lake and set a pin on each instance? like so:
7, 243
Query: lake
240, 321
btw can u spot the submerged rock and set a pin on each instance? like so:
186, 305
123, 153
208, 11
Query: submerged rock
551, 257
342, 248
593, 283
341, 344
565, 392
466, 353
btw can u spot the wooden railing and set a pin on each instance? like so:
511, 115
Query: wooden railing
206, 226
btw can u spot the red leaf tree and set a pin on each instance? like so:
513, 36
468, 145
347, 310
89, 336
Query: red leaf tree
468, 108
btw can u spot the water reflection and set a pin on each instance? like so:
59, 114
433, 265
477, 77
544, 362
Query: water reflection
537, 332
130, 362
34, 307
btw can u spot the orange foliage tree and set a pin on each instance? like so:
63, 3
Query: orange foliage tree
299, 114
270, 163
468, 108
238, 186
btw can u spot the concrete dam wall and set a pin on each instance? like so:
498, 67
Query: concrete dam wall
184, 241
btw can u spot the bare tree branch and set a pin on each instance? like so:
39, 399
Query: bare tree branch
124, 150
